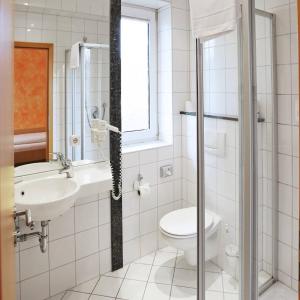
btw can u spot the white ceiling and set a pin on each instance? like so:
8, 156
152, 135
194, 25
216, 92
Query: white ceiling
148, 3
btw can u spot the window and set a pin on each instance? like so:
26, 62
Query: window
139, 75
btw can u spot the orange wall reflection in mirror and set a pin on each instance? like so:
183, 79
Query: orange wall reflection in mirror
31, 89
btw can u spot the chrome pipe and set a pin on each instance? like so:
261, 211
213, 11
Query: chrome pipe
44, 236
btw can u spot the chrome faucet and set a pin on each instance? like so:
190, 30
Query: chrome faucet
65, 163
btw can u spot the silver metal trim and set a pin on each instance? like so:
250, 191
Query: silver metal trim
83, 100
254, 162
275, 150
247, 157
266, 286
66, 103
263, 13
240, 95
94, 46
200, 175
73, 110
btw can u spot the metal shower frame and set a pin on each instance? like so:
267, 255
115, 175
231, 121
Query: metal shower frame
82, 48
249, 289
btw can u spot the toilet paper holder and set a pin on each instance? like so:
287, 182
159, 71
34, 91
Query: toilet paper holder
138, 183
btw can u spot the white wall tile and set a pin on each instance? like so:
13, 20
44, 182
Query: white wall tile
61, 252
105, 261
131, 204
285, 229
131, 228
69, 5
284, 258
104, 237
81, 221
131, 251
35, 287
62, 226
33, 263
62, 278
104, 211
86, 243
148, 221
87, 268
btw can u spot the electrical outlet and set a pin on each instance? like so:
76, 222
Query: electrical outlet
166, 171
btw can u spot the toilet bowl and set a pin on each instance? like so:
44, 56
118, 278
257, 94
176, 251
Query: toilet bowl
179, 230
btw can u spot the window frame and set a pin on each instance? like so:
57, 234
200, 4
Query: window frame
150, 134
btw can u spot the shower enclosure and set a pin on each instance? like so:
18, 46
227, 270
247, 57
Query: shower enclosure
237, 163
86, 98
266, 141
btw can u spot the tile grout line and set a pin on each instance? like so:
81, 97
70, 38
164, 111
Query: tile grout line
147, 282
171, 290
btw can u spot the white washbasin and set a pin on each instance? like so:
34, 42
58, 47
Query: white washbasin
43, 167
46, 198
36, 168
93, 179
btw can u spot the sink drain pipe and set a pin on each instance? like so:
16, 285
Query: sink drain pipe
43, 239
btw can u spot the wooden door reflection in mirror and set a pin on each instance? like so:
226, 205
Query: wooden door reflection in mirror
33, 72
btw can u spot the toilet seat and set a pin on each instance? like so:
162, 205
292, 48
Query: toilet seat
182, 223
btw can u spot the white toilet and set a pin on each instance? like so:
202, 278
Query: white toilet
179, 229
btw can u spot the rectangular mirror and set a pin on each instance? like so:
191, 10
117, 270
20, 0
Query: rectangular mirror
61, 63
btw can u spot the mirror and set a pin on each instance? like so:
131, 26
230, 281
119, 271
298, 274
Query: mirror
62, 78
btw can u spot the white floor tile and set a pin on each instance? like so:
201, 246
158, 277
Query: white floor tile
230, 284
211, 267
181, 293
138, 272
279, 292
182, 264
147, 260
56, 297
157, 292
168, 249
96, 297
132, 289
75, 296
228, 296
161, 275
86, 287
263, 277
108, 286
119, 273
213, 282
165, 259
210, 295
185, 278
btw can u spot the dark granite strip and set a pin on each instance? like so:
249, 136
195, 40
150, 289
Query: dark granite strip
115, 139
221, 117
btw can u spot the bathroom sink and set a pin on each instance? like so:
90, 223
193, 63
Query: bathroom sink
46, 198
35, 168
93, 179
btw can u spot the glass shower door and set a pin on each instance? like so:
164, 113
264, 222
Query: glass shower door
221, 164
266, 128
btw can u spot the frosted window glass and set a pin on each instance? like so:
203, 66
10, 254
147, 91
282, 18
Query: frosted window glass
135, 74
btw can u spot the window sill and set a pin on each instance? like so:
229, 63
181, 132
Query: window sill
144, 146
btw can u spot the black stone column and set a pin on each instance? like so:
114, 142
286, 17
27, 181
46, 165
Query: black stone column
115, 139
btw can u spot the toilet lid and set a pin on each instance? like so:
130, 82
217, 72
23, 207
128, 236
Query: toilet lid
183, 222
